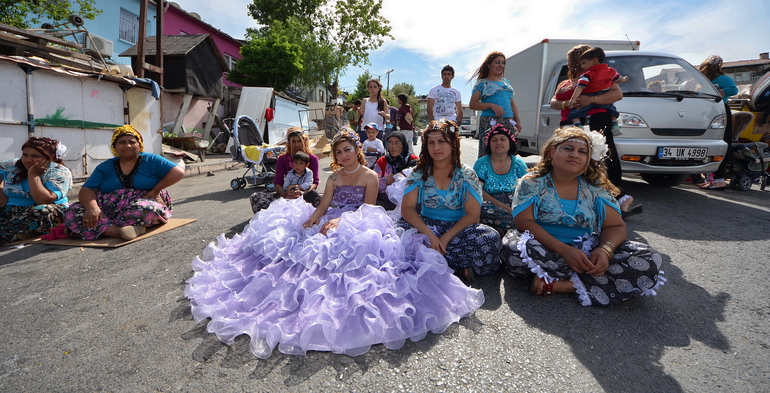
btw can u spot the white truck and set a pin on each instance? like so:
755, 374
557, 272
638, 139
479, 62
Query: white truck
470, 123
666, 134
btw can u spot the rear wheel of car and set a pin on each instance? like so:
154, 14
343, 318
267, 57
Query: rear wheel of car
664, 179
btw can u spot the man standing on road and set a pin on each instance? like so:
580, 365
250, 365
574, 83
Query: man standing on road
444, 101
353, 115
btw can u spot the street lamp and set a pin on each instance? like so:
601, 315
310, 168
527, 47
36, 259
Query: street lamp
388, 74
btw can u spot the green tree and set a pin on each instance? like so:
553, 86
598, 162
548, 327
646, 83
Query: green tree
333, 34
360, 92
29, 13
268, 60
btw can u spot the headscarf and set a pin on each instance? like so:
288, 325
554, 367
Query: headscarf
399, 162
125, 130
500, 129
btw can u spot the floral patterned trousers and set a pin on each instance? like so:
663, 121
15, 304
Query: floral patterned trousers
123, 207
26, 219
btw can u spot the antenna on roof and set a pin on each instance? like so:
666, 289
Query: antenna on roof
631, 42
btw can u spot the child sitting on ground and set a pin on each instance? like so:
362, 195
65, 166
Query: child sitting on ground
300, 177
373, 147
597, 78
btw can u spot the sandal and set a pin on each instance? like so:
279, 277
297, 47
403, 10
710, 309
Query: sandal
467, 275
540, 287
711, 186
632, 211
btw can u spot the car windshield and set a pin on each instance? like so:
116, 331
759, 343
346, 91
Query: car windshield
658, 74
466, 122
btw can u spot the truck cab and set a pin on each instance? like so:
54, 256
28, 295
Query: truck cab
672, 117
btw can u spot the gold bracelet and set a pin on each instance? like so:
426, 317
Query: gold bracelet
605, 251
607, 248
564, 105
610, 243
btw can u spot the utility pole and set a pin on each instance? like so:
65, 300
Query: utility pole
388, 74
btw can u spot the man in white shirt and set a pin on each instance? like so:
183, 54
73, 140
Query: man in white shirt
444, 101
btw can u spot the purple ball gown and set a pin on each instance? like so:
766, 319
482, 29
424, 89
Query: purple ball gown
365, 282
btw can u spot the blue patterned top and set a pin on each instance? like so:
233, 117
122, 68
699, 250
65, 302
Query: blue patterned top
494, 183
449, 204
588, 211
151, 170
57, 178
499, 93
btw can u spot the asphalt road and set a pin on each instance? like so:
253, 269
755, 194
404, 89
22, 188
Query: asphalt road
91, 319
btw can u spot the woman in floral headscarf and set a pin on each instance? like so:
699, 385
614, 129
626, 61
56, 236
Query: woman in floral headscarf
33, 190
569, 233
125, 194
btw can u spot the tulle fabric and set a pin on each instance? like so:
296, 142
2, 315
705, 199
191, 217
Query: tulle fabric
364, 283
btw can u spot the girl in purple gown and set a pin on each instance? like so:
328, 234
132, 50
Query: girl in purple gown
338, 278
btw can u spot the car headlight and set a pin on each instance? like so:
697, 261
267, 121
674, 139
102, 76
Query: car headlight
718, 122
629, 120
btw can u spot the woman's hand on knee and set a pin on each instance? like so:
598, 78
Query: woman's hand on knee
92, 217
437, 244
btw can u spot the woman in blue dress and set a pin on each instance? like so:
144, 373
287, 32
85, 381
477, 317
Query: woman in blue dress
493, 95
569, 234
442, 200
337, 278
499, 170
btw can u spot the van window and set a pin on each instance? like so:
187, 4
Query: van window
466, 121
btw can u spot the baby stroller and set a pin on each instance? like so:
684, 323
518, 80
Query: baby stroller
749, 165
259, 157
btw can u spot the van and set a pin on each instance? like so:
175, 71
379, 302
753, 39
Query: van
666, 135
470, 124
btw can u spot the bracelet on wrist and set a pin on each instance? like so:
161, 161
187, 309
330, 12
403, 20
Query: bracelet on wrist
612, 245
610, 252
609, 255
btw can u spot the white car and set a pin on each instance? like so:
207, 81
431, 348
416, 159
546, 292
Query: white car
466, 129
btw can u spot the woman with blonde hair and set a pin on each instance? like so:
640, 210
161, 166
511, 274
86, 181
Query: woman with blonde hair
296, 140
569, 234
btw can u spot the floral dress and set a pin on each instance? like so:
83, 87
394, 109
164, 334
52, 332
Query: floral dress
633, 271
21, 214
499, 93
477, 246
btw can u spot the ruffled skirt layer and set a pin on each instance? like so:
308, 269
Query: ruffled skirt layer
364, 283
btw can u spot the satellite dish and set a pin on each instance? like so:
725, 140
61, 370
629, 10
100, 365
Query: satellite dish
76, 20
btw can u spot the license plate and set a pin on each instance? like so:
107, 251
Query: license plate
682, 153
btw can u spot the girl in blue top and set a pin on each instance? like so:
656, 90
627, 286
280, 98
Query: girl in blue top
449, 196
499, 170
569, 233
125, 194
493, 95
33, 190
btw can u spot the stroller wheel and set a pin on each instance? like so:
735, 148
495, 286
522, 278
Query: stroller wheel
744, 183
763, 183
270, 187
242, 183
235, 184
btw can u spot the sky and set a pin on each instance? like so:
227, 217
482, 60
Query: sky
431, 33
